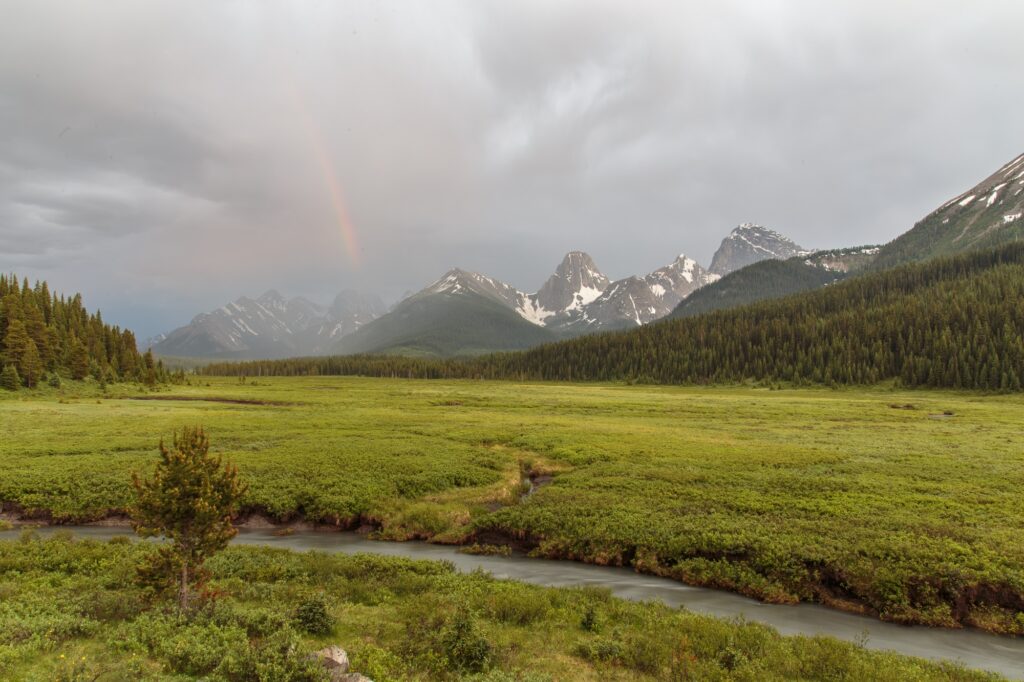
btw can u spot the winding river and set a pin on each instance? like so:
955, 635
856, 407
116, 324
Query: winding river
974, 649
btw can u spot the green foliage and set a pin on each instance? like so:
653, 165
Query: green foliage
191, 501
31, 365
48, 610
78, 359
764, 280
43, 332
312, 616
514, 606
809, 495
9, 378
590, 622
464, 646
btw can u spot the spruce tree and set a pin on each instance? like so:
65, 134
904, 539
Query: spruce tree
78, 360
16, 341
190, 500
9, 378
31, 364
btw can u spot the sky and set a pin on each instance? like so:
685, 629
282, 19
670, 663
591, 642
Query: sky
164, 158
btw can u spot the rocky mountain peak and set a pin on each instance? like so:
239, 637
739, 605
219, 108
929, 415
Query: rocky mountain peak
577, 281
749, 243
271, 297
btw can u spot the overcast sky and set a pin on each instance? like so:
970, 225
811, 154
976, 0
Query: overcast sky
165, 158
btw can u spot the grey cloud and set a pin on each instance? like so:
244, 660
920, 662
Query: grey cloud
202, 148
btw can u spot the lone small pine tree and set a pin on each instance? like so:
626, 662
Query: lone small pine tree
190, 500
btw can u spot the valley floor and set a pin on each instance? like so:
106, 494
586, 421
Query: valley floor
905, 505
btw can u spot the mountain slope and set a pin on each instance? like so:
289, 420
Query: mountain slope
989, 214
453, 320
758, 282
770, 279
750, 243
270, 326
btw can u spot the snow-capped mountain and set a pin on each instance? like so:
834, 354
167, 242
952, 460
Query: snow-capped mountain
457, 280
576, 283
270, 326
578, 298
750, 243
634, 301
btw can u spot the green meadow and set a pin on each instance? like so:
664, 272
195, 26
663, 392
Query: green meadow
902, 504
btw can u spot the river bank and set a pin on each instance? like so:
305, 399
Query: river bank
972, 648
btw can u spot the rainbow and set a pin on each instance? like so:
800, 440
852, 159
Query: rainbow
318, 147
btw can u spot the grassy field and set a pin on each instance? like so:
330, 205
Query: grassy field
903, 504
69, 611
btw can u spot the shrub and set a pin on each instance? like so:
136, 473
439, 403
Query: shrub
516, 606
278, 657
312, 616
464, 646
600, 650
589, 621
380, 665
54, 380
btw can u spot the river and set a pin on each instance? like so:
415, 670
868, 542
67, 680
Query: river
974, 649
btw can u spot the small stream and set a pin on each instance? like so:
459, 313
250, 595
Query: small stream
974, 649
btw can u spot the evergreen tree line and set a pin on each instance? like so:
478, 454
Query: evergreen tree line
43, 335
955, 322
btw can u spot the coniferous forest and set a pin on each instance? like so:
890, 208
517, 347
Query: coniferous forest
45, 336
954, 322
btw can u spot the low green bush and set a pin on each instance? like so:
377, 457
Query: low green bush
312, 616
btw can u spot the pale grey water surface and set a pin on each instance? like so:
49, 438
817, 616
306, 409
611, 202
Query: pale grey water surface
974, 649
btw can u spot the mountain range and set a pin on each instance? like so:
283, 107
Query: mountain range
270, 326
468, 313
464, 313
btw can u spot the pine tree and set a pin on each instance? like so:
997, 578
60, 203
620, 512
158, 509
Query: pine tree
190, 500
9, 378
31, 364
78, 360
16, 342
149, 375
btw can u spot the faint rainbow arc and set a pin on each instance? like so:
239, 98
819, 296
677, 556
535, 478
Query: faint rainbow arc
318, 147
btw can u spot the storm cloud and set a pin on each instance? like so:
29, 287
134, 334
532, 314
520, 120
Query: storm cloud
165, 157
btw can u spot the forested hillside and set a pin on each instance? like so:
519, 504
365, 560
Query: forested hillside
956, 322
46, 334
761, 281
